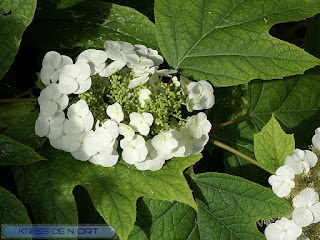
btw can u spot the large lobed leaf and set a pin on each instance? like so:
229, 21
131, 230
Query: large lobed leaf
88, 24
272, 145
229, 208
295, 103
227, 41
16, 16
47, 186
15, 153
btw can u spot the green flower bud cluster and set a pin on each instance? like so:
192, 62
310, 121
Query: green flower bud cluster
164, 104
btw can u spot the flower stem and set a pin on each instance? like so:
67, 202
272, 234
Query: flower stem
11, 100
240, 154
229, 122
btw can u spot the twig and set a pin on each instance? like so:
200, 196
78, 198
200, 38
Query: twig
229, 122
25, 93
240, 154
11, 100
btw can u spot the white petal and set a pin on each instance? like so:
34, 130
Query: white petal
55, 132
52, 58
302, 216
112, 68
273, 231
48, 108
310, 158
316, 141
315, 209
42, 126
46, 74
80, 155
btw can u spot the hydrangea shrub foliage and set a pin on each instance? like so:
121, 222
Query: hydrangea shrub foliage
163, 119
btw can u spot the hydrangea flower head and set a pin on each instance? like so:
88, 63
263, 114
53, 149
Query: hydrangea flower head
116, 103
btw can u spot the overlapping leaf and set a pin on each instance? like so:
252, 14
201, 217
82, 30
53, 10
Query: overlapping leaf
272, 145
229, 208
15, 16
17, 122
15, 153
227, 41
47, 186
295, 103
88, 24
12, 210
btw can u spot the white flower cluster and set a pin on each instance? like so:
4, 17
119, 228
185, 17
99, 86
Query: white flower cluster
306, 204
98, 143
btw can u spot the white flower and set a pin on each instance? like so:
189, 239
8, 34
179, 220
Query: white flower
112, 68
115, 112
50, 126
80, 117
282, 182
199, 125
180, 149
175, 81
192, 144
200, 96
283, 229
75, 78
142, 50
107, 157
118, 50
155, 57
95, 58
51, 65
141, 122
306, 207
126, 131
301, 161
153, 161
144, 96
138, 63
134, 150
316, 139
61, 143
110, 126
164, 142
141, 77
51, 100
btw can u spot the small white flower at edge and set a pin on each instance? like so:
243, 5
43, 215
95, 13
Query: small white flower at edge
306, 207
301, 161
51, 66
282, 182
283, 229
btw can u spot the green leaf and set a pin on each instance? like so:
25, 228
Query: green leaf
227, 41
163, 220
12, 210
272, 145
15, 153
17, 120
16, 16
89, 24
229, 206
47, 186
